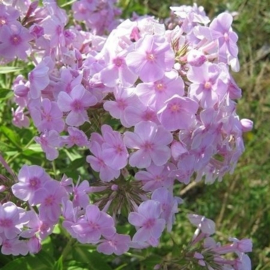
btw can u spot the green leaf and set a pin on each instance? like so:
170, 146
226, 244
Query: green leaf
94, 260
11, 135
5, 70
59, 264
5, 94
26, 263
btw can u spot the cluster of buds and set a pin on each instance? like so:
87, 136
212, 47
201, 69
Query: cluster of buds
205, 252
170, 92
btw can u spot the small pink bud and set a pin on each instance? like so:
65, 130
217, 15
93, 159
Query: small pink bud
157, 266
2, 188
34, 245
114, 187
196, 58
246, 124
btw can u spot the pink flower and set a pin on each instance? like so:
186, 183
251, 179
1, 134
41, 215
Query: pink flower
117, 244
48, 116
14, 42
152, 56
148, 221
206, 225
50, 197
14, 247
76, 104
98, 164
93, 225
178, 113
48, 142
151, 142
31, 178
10, 220
75, 137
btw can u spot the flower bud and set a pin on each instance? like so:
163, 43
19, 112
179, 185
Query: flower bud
196, 58
246, 124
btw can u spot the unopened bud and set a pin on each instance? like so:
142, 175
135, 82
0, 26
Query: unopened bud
2, 188
246, 124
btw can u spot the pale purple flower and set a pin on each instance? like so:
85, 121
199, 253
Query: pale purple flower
178, 113
98, 164
151, 142
76, 104
114, 151
204, 224
10, 220
157, 92
14, 42
156, 176
48, 116
80, 194
169, 205
48, 142
31, 178
34, 245
14, 247
222, 30
75, 137
116, 70
93, 225
39, 77
19, 118
148, 222
206, 87
124, 98
117, 244
50, 197
151, 57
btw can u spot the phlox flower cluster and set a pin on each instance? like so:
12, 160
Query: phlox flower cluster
169, 89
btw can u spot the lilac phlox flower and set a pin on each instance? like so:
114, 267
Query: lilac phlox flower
207, 88
76, 103
196, 58
34, 245
148, 222
116, 71
243, 245
204, 224
14, 42
124, 98
135, 114
114, 151
80, 194
222, 30
156, 176
35, 226
19, 118
98, 164
8, 15
243, 262
151, 142
31, 178
48, 116
155, 93
75, 137
93, 225
39, 77
48, 142
49, 198
178, 113
169, 205
14, 247
151, 57
10, 220
117, 244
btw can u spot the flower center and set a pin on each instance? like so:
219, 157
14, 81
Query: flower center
34, 183
149, 223
174, 108
208, 85
49, 200
118, 62
77, 105
159, 86
15, 40
148, 146
150, 57
3, 21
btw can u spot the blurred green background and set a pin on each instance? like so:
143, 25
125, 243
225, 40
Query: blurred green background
240, 204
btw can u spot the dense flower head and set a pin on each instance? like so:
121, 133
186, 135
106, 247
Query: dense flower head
153, 105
